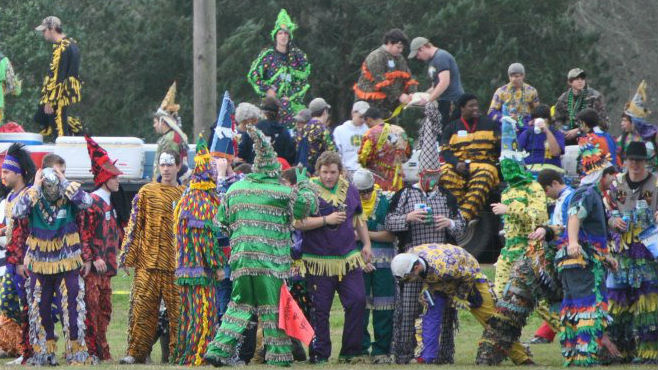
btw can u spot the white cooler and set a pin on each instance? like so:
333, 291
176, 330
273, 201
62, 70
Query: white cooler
127, 151
27, 138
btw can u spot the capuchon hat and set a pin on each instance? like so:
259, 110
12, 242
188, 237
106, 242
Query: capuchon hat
223, 143
266, 161
637, 107
283, 22
101, 165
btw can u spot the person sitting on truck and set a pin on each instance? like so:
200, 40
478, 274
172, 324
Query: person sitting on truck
470, 147
543, 142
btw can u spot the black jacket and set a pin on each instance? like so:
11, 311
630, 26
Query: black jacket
283, 144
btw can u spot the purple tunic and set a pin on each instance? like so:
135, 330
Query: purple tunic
334, 240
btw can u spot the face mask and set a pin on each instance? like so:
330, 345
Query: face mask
51, 188
429, 179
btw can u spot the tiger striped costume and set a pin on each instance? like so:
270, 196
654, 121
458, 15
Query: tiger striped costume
149, 246
479, 142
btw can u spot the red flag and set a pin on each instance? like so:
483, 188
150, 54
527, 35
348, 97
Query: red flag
292, 319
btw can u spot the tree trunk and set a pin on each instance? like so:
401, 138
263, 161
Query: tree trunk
205, 65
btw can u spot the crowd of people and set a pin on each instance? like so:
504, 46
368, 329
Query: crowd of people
290, 206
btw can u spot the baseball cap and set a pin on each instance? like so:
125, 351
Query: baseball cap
516, 68
318, 105
363, 179
49, 23
303, 115
575, 73
360, 107
415, 45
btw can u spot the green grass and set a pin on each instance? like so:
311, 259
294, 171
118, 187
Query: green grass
547, 355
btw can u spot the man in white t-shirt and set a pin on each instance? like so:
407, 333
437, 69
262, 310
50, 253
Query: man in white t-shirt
347, 136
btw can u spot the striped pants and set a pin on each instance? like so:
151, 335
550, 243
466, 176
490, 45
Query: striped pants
148, 289
473, 190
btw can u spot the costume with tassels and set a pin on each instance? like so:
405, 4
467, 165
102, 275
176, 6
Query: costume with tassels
61, 89
384, 148
450, 274
257, 214
584, 312
633, 288
174, 138
101, 233
285, 73
149, 246
384, 77
199, 258
54, 256
642, 130
14, 325
426, 193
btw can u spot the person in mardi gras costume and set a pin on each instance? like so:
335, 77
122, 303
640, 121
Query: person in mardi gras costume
447, 271
9, 82
380, 285
54, 257
634, 127
149, 246
61, 87
167, 123
256, 213
282, 70
17, 174
199, 260
633, 288
423, 213
101, 233
385, 80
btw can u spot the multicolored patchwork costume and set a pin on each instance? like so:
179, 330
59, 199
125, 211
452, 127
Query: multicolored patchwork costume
633, 288
54, 256
61, 89
384, 148
149, 246
286, 73
199, 257
257, 214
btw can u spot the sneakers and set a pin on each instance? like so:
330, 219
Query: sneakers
128, 360
381, 360
17, 361
539, 340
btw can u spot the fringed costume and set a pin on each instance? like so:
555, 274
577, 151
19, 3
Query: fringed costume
61, 89
313, 139
380, 284
584, 313
333, 263
384, 148
54, 256
101, 234
199, 257
149, 246
478, 142
257, 214
450, 272
633, 288
286, 73
384, 77
526, 210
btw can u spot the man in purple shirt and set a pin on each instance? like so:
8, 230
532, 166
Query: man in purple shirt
542, 141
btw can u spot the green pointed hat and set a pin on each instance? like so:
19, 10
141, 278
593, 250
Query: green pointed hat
266, 161
202, 168
283, 22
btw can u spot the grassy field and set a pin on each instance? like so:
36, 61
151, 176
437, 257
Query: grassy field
546, 355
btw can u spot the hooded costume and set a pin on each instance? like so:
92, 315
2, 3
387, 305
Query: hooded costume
54, 255
286, 73
199, 257
174, 139
101, 233
257, 213
149, 246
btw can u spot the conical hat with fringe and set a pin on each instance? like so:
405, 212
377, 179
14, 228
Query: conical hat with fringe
266, 161
637, 107
283, 22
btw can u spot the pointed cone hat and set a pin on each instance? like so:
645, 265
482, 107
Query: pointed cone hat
101, 165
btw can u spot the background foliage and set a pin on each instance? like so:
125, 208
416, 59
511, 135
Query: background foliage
133, 49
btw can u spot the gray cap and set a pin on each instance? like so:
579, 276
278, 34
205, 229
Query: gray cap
303, 115
49, 23
515, 68
363, 179
416, 43
318, 105
575, 73
360, 107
